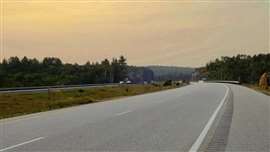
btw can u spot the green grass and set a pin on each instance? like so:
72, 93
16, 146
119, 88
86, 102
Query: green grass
257, 88
25, 103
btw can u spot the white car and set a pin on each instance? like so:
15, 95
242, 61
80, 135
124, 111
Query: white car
125, 82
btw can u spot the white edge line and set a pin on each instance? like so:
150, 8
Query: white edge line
24, 143
122, 113
195, 147
17, 120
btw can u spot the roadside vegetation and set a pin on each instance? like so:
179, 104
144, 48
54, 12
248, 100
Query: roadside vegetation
26, 72
51, 71
252, 71
258, 88
243, 68
263, 85
15, 104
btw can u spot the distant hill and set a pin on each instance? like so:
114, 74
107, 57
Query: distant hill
162, 73
140, 74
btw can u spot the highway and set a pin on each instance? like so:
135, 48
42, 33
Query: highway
198, 117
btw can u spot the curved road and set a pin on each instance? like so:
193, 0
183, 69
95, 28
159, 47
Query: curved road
171, 120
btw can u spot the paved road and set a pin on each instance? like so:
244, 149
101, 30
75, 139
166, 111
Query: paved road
171, 120
250, 125
245, 124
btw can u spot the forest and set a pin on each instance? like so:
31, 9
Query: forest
26, 72
243, 68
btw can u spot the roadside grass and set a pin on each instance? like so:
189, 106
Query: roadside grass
257, 88
15, 104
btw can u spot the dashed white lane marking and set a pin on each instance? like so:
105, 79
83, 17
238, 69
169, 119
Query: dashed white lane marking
195, 147
122, 113
24, 143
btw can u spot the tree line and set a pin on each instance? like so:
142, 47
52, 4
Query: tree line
244, 68
25, 72
164, 73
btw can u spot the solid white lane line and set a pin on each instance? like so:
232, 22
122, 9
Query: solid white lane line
122, 113
195, 147
24, 143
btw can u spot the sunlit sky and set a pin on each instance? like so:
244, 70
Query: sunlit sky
180, 33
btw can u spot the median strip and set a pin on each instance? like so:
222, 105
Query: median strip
16, 104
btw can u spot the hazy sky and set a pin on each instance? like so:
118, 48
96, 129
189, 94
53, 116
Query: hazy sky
182, 33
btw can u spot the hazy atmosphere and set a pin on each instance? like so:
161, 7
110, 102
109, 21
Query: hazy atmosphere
135, 75
181, 33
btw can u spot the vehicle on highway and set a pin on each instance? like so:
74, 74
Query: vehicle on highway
125, 82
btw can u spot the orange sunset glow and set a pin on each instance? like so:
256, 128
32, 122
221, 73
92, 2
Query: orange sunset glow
182, 33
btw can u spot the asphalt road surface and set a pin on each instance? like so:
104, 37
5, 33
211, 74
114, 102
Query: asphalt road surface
172, 120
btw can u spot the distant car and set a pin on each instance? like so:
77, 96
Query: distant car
125, 82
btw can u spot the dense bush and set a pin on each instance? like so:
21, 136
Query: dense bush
168, 83
263, 83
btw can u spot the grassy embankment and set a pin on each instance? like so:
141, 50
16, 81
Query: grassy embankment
26, 103
257, 88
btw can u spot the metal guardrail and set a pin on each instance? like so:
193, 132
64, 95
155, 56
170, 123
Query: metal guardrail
44, 88
222, 81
